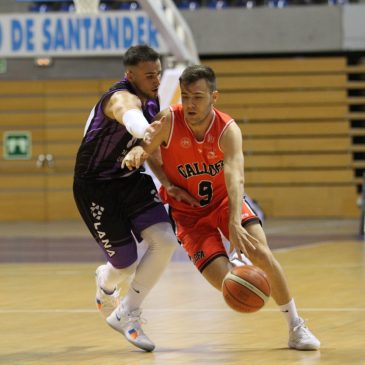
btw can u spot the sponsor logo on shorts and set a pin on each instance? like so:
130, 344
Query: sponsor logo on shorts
198, 256
97, 212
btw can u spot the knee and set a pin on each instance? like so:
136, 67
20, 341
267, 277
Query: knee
262, 257
161, 236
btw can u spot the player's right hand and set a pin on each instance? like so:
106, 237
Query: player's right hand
153, 129
182, 195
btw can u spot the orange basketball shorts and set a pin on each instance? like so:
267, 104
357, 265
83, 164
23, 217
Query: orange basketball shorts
199, 232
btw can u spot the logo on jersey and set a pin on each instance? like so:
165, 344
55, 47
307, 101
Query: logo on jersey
200, 168
185, 142
210, 138
211, 155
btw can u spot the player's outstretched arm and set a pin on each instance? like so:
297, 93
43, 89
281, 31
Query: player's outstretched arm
154, 136
126, 108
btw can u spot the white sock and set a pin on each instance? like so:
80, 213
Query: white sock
290, 313
161, 242
111, 277
135, 296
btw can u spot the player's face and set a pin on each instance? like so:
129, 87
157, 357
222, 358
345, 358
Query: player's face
197, 101
146, 77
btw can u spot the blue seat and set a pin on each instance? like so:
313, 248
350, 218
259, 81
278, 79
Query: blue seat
245, 4
217, 4
129, 5
67, 6
188, 4
39, 7
278, 3
104, 6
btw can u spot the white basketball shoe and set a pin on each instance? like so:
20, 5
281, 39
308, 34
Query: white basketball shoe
105, 302
301, 338
129, 325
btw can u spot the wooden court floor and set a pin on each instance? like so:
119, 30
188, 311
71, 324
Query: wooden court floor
47, 315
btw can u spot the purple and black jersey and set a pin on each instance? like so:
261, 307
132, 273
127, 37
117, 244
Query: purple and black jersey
106, 141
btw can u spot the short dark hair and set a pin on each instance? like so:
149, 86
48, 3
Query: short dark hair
140, 53
196, 72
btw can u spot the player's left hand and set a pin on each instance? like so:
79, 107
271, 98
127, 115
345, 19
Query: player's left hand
134, 158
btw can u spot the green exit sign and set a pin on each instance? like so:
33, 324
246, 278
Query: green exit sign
17, 145
3, 66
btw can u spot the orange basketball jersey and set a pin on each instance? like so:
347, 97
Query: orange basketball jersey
196, 166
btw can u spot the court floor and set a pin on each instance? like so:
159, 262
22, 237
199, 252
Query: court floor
47, 313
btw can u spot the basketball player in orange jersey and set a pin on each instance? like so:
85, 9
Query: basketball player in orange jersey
202, 179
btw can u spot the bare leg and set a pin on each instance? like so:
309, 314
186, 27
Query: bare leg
215, 272
264, 259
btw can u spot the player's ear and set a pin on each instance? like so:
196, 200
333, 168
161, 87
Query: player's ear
129, 74
215, 95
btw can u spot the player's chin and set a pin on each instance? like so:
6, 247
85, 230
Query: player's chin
191, 118
154, 94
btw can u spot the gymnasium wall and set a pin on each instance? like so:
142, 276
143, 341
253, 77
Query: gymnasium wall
293, 87
296, 30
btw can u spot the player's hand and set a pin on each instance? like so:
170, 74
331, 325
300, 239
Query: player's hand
153, 129
182, 195
135, 158
241, 241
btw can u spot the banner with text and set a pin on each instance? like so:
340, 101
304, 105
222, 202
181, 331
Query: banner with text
63, 34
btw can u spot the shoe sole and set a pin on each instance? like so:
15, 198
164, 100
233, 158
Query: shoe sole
304, 348
140, 346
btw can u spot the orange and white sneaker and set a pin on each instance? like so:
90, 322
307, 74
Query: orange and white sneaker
129, 325
105, 302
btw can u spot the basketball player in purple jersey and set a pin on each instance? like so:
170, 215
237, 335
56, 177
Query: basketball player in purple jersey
121, 206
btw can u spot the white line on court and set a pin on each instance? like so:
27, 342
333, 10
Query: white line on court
165, 310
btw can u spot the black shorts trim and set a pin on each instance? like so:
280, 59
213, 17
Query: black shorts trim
212, 258
252, 220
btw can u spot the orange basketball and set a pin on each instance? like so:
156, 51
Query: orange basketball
246, 288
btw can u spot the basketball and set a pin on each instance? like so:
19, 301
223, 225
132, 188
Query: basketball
246, 288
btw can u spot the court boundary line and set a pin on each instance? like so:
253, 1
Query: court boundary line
164, 310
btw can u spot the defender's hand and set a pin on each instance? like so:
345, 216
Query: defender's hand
182, 195
135, 158
153, 129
